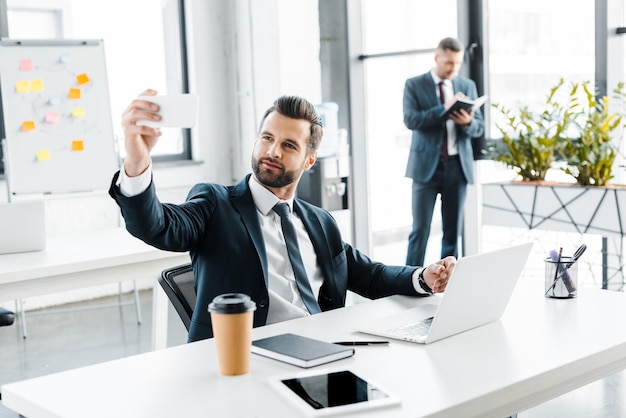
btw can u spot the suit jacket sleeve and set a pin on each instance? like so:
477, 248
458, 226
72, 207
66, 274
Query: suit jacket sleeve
476, 128
165, 226
421, 110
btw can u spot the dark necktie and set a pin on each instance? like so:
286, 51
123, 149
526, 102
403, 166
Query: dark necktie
302, 281
444, 144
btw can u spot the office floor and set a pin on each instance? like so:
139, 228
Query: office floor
62, 341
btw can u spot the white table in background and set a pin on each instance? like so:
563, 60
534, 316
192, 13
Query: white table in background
540, 349
98, 258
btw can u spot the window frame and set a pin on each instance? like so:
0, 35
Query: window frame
185, 155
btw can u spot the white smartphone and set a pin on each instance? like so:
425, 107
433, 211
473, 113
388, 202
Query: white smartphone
177, 111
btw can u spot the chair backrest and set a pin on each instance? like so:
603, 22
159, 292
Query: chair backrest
178, 284
6, 317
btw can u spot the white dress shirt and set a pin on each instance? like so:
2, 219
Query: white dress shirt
448, 92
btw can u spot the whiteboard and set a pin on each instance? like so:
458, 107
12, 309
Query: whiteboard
56, 116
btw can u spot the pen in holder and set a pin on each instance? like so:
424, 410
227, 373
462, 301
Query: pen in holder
561, 277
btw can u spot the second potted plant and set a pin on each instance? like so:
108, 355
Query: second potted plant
574, 126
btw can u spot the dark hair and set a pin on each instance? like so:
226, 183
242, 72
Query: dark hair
450, 44
298, 108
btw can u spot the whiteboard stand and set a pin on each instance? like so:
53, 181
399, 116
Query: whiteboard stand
57, 123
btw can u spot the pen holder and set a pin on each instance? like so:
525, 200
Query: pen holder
561, 278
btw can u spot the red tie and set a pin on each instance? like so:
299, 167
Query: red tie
444, 144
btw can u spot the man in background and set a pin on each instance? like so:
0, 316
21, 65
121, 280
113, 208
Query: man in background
441, 158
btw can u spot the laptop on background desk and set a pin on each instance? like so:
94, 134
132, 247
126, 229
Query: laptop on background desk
22, 227
478, 292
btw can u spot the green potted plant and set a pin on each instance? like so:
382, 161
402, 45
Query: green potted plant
530, 139
590, 155
574, 126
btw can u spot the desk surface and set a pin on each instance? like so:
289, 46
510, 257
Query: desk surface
100, 257
540, 349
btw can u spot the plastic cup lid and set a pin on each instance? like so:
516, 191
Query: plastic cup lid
229, 303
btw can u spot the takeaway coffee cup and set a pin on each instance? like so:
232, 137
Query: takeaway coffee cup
231, 315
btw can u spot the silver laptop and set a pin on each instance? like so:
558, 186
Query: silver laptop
22, 227
478, 292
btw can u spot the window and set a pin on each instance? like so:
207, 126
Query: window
532, 45
143, 49
389, 28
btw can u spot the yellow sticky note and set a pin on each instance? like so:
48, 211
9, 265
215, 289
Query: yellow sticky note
78, 145
22, 86
28, 125
77, 112
74, 93
43, 155
82, 78
26, 65
36, 85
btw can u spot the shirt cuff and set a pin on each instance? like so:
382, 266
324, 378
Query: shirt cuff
416, 281
134, 186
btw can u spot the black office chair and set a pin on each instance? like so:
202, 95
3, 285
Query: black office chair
178, 284
6, 317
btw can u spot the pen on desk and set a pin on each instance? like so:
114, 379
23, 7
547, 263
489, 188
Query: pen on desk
557, 267
353, 343
558, 264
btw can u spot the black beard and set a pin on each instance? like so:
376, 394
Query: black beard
271, 180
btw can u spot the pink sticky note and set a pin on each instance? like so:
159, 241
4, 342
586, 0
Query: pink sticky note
26, 65
52, 117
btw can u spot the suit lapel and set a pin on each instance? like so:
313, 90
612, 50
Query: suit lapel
241, 199
430, 88
456, 85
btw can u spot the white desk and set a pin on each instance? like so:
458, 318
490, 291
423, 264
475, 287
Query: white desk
101, 257
540, 349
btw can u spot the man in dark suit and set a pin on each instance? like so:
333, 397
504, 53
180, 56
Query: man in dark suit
441, 158
235, 238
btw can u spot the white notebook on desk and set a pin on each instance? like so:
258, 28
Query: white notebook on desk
22, 227
478, 292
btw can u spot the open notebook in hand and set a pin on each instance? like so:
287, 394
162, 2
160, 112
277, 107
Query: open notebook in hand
464, 103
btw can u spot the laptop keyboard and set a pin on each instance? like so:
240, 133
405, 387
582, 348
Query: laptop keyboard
416, 329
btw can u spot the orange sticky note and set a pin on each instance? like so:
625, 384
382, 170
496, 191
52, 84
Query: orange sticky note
36, 85
28, 125
22, 86
77, 112
51, 117
82, 78
43, 155
26, 65
78, 145
74, 93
